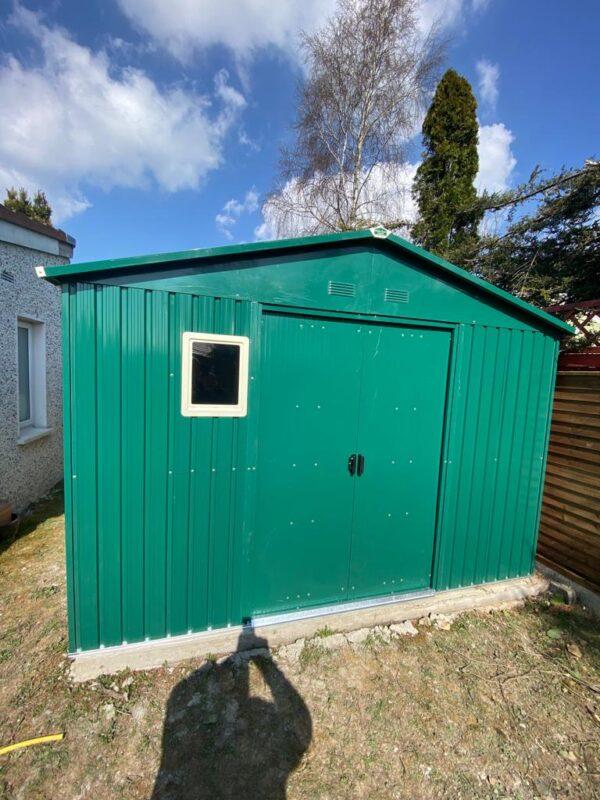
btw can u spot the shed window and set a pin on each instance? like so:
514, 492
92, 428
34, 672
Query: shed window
214, 375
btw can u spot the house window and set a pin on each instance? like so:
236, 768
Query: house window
25, 359
214, 375
31, 378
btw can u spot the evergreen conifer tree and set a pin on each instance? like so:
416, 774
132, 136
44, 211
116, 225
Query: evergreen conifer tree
444, 185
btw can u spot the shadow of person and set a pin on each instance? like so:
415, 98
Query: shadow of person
219, 741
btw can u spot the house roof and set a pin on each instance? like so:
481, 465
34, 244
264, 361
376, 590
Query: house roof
60, 273
23, 221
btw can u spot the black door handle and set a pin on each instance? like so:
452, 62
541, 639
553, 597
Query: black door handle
361, 465
352, 464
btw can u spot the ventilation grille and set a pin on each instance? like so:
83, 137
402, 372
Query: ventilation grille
341, 289
7, 276
395, 296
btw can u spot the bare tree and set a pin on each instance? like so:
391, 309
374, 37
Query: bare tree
370, 70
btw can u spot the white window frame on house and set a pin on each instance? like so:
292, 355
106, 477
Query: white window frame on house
22, 324
189, 409
35, 426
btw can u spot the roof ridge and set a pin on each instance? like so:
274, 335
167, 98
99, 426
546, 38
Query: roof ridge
378, 235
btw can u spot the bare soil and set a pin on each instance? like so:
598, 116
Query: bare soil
501, 705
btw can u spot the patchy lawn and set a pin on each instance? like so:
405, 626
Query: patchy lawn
501, 705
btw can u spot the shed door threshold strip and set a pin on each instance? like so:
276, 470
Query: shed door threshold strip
259, 621
338, 608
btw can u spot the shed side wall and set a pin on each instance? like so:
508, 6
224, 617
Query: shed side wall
152, 496
496, 444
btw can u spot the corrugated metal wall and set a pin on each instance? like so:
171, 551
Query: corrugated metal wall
154, 495
495, 456
159, 501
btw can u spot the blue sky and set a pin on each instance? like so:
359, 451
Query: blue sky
155, 126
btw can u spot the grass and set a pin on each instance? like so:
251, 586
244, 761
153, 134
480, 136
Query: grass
503, 705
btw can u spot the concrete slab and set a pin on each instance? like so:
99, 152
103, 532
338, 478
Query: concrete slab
150, 655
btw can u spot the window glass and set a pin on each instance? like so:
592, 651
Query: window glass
23, 362
215, 373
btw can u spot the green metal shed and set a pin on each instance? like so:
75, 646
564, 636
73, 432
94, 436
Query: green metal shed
280, 429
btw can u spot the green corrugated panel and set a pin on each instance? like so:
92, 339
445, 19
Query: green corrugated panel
200, 491
513, 377
161, 508
133, 450
68, 468
180, 319
487, 534
156, 468
497, 430
534, 478
446, 529
84, 475
108, 421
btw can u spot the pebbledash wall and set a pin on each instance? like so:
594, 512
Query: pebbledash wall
30, 456
161, 507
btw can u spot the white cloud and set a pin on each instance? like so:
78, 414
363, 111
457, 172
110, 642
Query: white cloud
447, 14
86, 123
182, 26
233, 209
443, 13
489, 75
496, 159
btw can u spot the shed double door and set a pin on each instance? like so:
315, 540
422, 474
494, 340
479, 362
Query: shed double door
349, 447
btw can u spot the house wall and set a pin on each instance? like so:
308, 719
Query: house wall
160, 507
28, 470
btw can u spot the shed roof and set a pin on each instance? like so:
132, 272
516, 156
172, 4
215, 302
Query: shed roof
60, 273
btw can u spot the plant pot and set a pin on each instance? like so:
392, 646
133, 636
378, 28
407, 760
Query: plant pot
9, 532
5, 512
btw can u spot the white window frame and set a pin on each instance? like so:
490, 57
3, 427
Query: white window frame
189, 409
36, 425
26, 423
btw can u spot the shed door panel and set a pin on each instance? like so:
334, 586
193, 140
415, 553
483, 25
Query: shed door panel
400, 437
309, 397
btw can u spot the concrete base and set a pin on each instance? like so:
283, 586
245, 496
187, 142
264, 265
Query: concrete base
589, 600
149, 655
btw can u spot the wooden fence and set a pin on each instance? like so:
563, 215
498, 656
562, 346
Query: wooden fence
569, 539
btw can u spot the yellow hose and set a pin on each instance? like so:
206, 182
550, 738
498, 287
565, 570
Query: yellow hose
53, 737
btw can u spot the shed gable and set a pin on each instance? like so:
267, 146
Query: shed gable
365, 279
